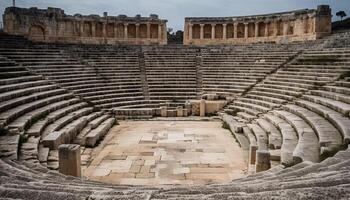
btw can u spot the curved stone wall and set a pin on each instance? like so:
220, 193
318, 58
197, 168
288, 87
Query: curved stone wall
283, 27
53, 25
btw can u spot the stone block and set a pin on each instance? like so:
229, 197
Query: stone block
163, 111
180, 111
69, 159
252, 154
53, 140
202, 108
262, 160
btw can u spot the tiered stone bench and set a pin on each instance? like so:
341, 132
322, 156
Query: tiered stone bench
36, 113
171, 73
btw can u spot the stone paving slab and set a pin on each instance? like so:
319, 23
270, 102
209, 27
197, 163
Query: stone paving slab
168, 152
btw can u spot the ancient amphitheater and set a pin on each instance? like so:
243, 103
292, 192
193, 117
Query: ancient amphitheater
254, 107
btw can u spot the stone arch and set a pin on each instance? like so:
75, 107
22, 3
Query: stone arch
87, 29
68, 28
154, 31
290, 30
308, 25
131, 31
279, 27
99, 29
240, 30
207, 31
219, 30
37, 32
262, 27
120, 30
196, 29
270, 29
251, 30
110, 30
230, 31
143, 31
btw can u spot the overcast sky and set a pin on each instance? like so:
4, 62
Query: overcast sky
176, 10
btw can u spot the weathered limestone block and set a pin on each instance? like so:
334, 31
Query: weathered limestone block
214, 106
69, 159
163, 111
96, 134
180, 111
202, 108
262, 160
185, 112
252, 154
188, 107
53, 140
211, 97
171, 113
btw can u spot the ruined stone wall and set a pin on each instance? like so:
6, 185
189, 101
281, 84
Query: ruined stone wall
284, 27
53, 25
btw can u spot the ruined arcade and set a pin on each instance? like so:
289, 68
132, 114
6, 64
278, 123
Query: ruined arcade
54, 26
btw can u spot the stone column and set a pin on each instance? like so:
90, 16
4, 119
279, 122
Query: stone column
69, 159
104, 30
256, 29
115, 30
235, 25
266, 29
213, 31
202, 108
190, 31
202, 31
148, 30
262, 160
81, 28
252, 154
93, 29
276, 27
159, 32
285, 28
246, 34
163, 111
224, 31
126, 31
137, 30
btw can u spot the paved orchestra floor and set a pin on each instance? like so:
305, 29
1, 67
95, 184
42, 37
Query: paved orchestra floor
168, 152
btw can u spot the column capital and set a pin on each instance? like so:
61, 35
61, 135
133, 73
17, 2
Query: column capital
126, 24
224, 25
235, 24
137, 24
213, 25
190, 24
246, 23
201, 25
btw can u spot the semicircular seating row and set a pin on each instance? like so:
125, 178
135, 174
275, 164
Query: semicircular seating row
302, 108
311, 117
37, 115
